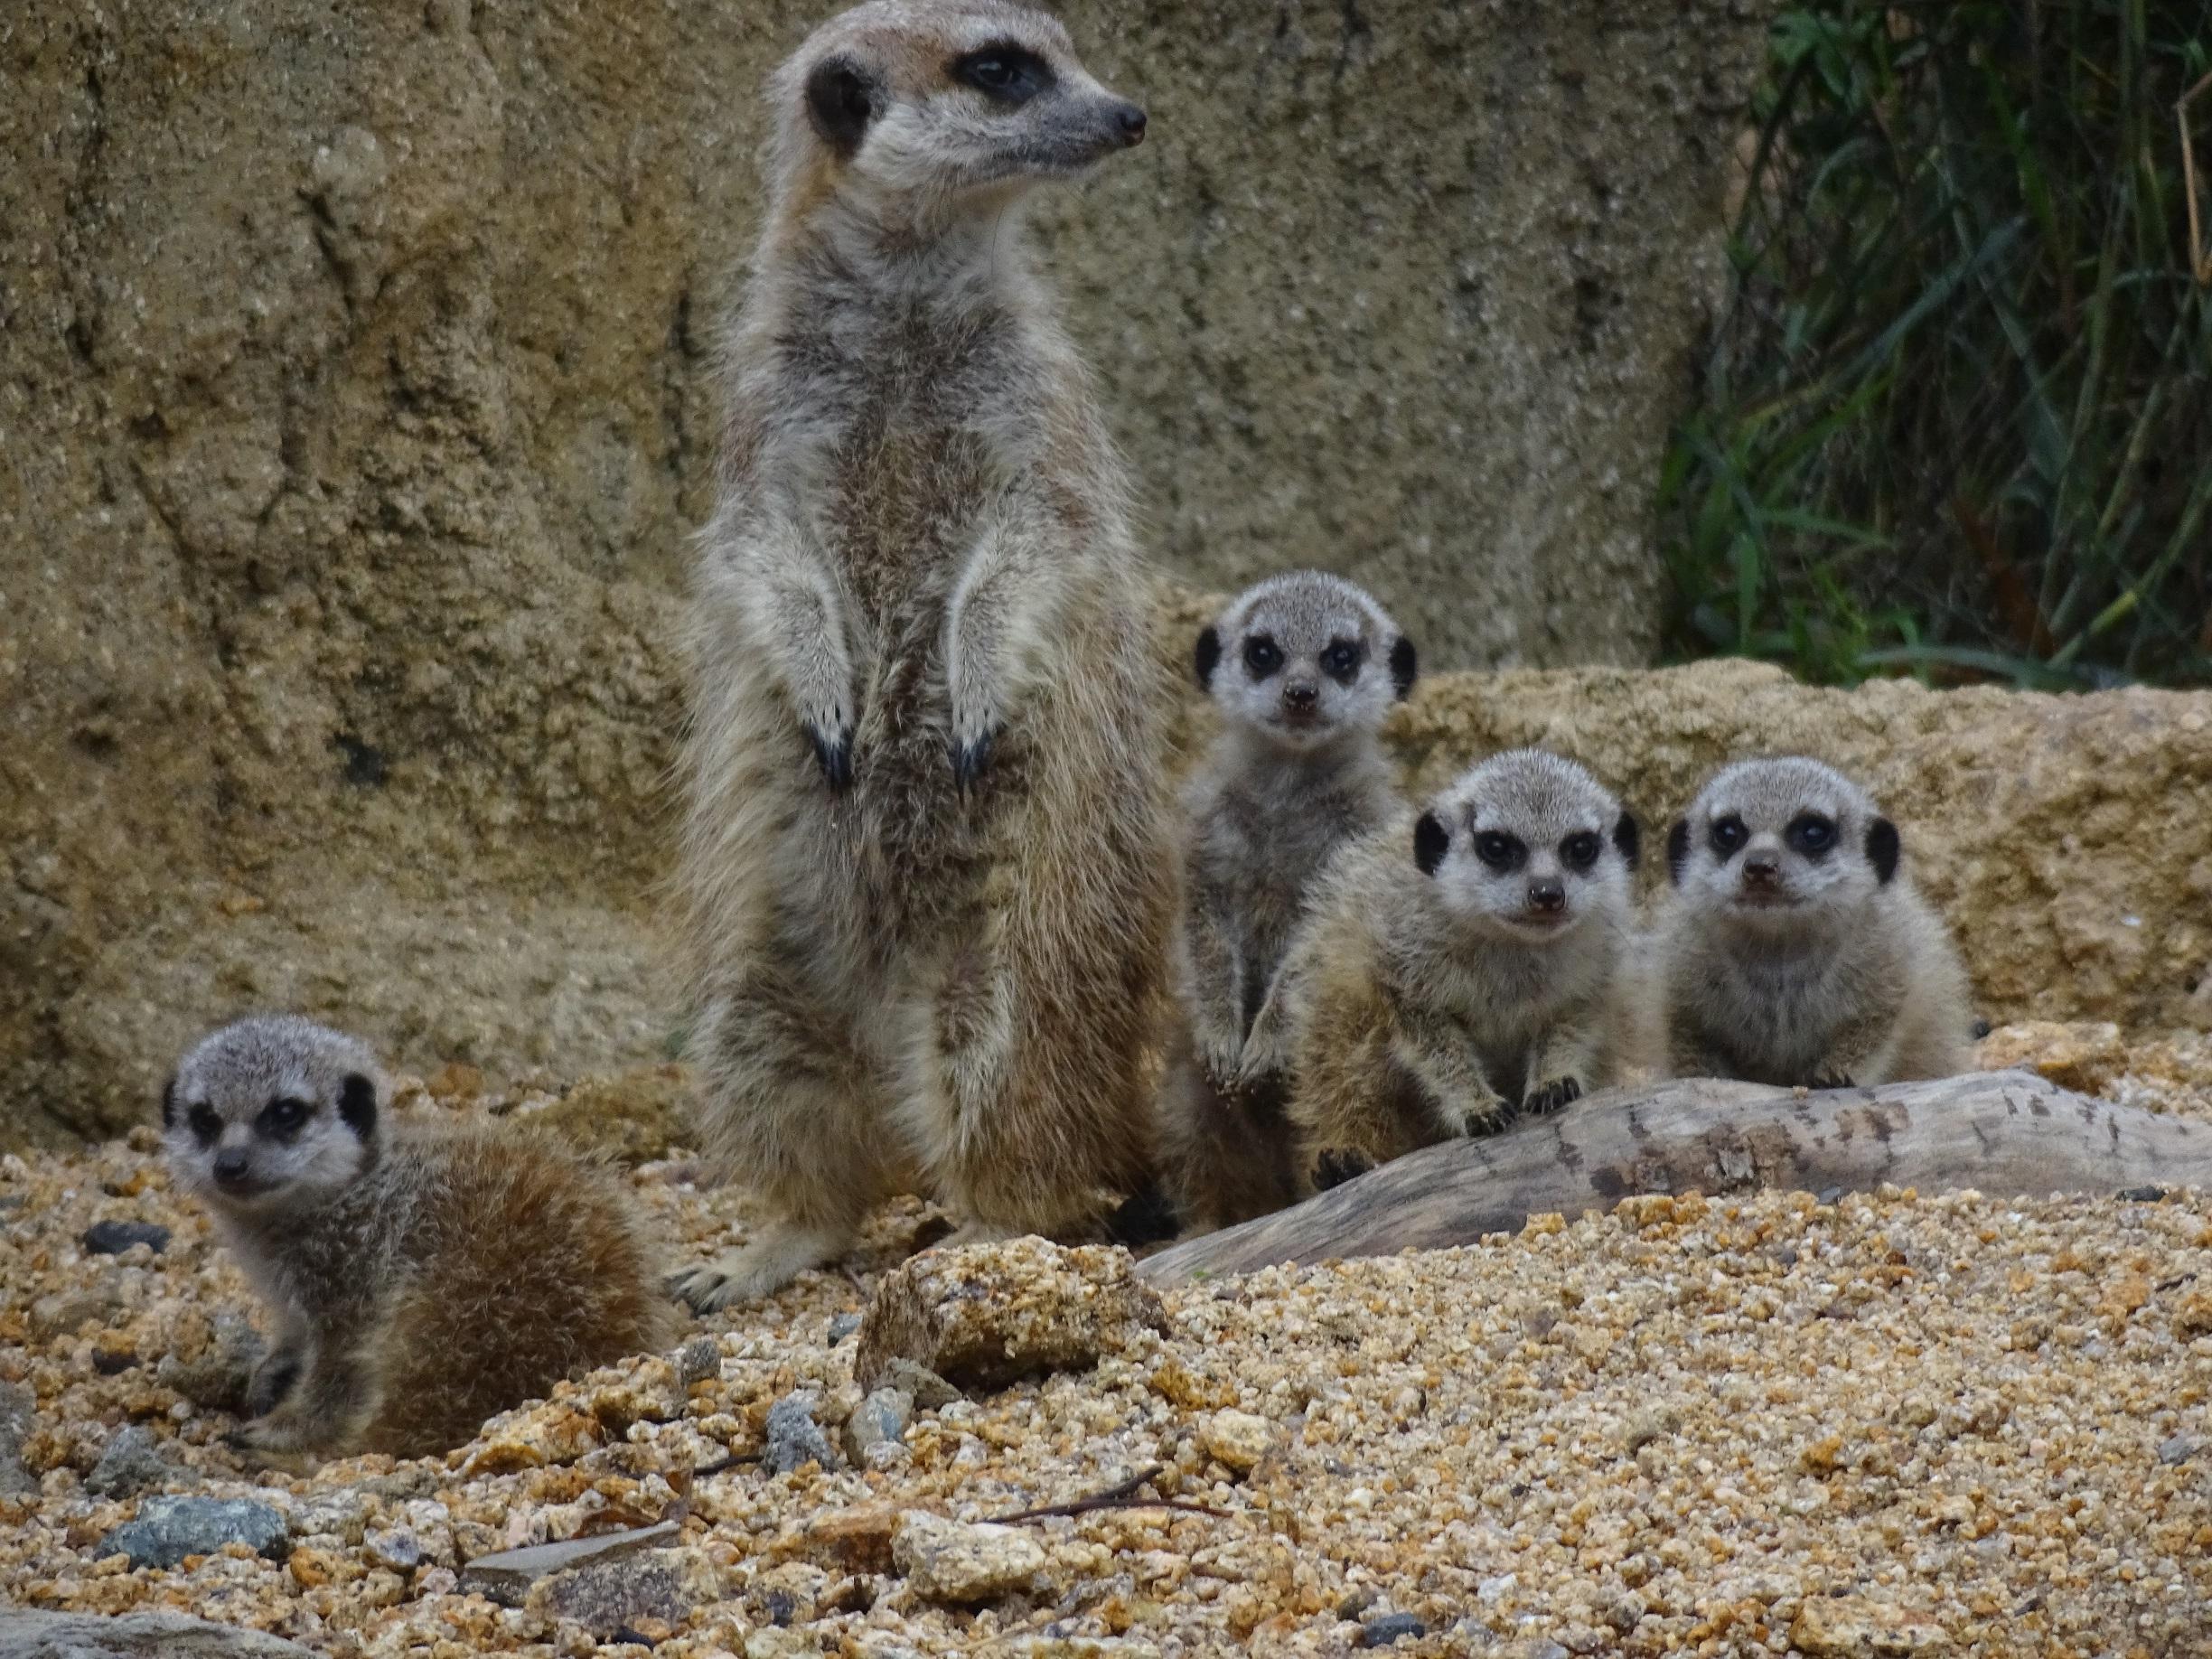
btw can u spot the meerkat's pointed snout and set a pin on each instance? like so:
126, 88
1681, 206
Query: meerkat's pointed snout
1129, 121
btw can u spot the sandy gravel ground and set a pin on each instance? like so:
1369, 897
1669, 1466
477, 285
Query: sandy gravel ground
1896, 1424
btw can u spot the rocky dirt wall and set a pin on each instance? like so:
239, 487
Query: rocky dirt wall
356, 409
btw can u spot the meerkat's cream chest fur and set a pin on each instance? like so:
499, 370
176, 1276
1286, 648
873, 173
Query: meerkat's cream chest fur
927, 854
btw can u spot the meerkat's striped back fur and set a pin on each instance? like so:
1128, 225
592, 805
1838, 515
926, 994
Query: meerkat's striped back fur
927, 854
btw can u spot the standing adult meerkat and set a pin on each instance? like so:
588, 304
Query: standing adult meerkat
928, 854
1795, 948
422, 1280
1303, 666
1458, 967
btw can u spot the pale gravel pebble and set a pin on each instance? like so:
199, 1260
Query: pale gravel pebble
1893, 1424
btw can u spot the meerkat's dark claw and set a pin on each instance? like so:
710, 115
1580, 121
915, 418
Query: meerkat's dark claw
1832, 1080
835, 753
1545, 1098
970, 760
1335, 1169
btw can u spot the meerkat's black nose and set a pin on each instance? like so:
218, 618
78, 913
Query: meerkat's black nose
1762, 871
1129, 121
1301, 698
230, 1165
1547, 893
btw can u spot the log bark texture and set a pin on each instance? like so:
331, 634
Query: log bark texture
2007, 1133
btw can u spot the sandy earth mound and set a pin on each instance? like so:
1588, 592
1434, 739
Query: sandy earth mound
1897, 1423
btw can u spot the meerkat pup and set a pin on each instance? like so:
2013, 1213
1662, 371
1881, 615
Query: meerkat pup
421, 1280
1795, 948
1303, 666
929, 855
1457, 968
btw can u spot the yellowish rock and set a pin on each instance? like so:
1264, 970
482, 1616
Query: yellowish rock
961, 1564
1237, 1440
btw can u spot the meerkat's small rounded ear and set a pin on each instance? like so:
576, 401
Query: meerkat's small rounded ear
1627, 840
1432, 840
1882, 849
169, 1102
841, 101
1404, 665
1678, 850
357, 1104
1208, 657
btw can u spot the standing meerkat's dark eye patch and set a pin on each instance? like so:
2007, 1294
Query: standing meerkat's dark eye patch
1627, 840
1005, 73
1579, 850
841, 101
357, 1104
1883, 849
1263, 655
205, 1125
1208, 655
1341, 660
1403, 666
1431, 841
1678, 850
1728, 834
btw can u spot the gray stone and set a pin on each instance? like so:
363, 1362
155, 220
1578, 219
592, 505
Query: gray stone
112, 1238
507, 1576
794, 1439
880, 1420
396, 1548
169, 1529
698, 1361
2179, 1449
842, 1326
133, 1636
129, 1464
364, 446
609, 1594
1385, 1628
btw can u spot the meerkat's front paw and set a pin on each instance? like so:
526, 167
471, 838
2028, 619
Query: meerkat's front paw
1543, 1099
1335, 1169
1486, 1116
278, 1434
761, 1269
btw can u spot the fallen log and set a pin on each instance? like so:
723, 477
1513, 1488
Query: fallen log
2005, 1133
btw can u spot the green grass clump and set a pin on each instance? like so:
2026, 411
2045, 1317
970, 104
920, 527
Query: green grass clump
1957, 417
